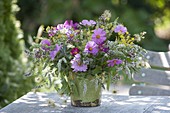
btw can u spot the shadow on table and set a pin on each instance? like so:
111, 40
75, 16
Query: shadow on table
44, 103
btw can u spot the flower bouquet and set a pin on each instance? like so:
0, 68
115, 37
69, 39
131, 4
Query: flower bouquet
78, 58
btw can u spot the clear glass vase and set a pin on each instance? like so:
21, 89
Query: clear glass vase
86, 93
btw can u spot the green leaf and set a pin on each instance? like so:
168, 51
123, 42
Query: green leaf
50, 81
97, 70
46, 63
59, 65
65, 88
115, 21
108, 81
74, 88
64, 59
128, 70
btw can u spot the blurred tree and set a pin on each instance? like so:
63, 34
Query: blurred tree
12, 83
161, 18
137, 16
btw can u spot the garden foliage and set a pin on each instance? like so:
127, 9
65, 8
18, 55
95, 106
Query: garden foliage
12, 82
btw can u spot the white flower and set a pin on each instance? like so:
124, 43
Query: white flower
64, 31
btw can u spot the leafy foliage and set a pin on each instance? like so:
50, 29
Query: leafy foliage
12, 82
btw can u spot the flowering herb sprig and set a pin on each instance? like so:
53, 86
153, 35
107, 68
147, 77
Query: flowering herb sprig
86, 50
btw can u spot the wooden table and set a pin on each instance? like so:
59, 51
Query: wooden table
43, 103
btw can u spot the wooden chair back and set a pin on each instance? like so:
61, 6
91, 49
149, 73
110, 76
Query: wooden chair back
157, 78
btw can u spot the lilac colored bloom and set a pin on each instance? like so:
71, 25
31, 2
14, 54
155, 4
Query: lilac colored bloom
71, 34
55, 51
88, 23
91, 47
78, 56
45, 44
52, 31
77, 64
120, 29
103, 48
69, 24
99, 36
62, 28
106, 49
112, 62
85, 22
74, 51
92, 22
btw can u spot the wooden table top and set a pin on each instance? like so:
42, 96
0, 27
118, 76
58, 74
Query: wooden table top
53, 103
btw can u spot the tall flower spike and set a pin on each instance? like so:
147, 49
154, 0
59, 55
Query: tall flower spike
106, 15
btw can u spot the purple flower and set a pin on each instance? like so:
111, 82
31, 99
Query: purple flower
78, 56
106, 49
74, 51
103, 48
99, 36
62, 28
91, 47
52, 31
55, 51
92, 22
77, 64
71, 34
88, 23
120, 29
45, 44
112, 62
69, 24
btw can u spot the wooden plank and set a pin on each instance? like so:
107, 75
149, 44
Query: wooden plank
153, 76
163, 108
159, 59
148, 91
37, 103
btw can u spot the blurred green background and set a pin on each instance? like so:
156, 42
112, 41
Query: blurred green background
20, 20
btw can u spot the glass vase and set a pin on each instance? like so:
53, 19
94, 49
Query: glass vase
86, 93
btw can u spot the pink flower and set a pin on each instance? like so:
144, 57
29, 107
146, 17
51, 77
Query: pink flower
71, 34
120, 29
45, 44
112, 62
103, 48
88, 23
70, 24
77, 64
60, 26
52, 31
55, 51
99, 36
91, 47
74, 51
